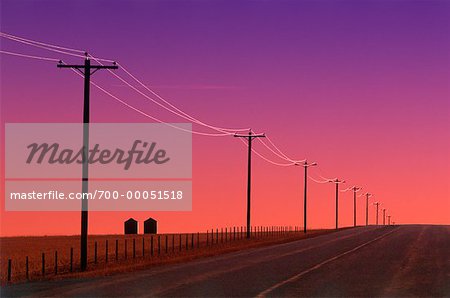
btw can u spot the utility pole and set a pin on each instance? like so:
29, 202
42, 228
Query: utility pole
86, 70
389, 220
337, 182
367, 207
250, 138
377, 204
384, 216
305, 165
355, 189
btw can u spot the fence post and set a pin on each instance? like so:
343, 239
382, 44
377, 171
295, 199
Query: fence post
43, 264
173, 243
71, 259
207, 237
217, 236
167, 243
27, 268
212, 237
134, 248
117, 249
226, 234
187, 241
198, 239
56, 262
9, 270
159, 245
221, 235
95, 252
126, 249
151, 245
106, 251
180, 242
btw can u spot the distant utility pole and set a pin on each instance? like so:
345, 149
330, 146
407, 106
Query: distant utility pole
250, 138
389, 220
367, 207
305, 165
86, 71
355, 189
337, 182
377, 204
384, 216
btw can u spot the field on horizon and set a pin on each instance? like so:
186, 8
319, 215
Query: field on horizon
131, 250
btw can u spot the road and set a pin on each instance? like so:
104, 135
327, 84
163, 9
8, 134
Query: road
387, 261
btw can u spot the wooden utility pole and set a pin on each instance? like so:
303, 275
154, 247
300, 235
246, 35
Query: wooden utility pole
367, 207
86, 70
355, 189
377, 204
250, 137
384, 216
337, 182
305, 165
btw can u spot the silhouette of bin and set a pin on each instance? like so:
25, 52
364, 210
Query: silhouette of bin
150, 226
131, 226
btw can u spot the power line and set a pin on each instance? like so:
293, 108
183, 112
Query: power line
29, 56
318, 181
49, 47
347, 189
283, 155
224, 131
42, 47
190, 118
268, 160
161, 105
176, 108
167, 106
6, 35
152, 117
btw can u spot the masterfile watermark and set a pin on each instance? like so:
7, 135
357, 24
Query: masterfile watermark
131, 166
52, 153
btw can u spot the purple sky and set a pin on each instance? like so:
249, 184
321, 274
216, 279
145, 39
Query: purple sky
360, 86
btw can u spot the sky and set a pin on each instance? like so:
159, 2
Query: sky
360, 87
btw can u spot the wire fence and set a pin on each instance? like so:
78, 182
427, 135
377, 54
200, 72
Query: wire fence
122, 249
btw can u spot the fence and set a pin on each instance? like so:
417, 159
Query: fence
133, 247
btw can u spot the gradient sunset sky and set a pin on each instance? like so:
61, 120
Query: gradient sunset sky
361, 87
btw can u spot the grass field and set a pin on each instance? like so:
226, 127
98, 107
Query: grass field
133, 251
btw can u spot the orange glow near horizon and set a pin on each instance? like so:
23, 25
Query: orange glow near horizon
362, 89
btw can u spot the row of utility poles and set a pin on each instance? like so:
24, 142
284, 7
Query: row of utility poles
250, 137
87, 70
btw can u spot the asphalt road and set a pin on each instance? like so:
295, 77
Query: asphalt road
365, 261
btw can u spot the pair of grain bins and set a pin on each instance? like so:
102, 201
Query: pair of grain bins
131, 226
